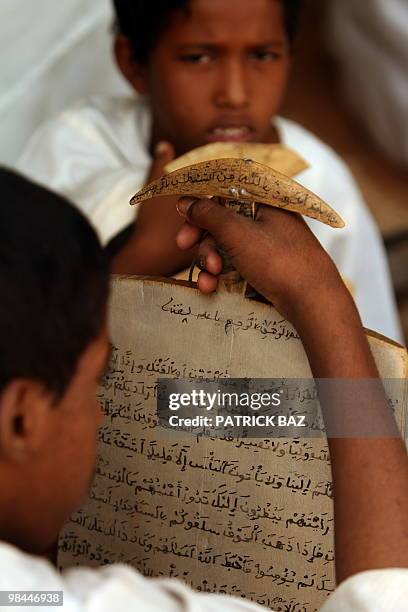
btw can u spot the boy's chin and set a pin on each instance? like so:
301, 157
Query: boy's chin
38, 543
38, 533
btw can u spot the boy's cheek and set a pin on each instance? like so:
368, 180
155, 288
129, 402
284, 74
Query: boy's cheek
178, 88
62, 484
78, 453
78, 469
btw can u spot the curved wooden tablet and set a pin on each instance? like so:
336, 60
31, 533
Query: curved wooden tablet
243, 180
276, 156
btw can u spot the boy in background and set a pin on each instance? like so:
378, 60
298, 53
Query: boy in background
54, 348
205, 71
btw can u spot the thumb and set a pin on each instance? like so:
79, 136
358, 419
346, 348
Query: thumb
164, 153
222, 223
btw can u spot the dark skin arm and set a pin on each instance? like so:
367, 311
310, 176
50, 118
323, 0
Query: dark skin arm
290, 268
151, 249
370, 475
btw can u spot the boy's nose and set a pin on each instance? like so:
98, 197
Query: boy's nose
232, 90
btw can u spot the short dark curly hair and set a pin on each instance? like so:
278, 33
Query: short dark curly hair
54, 284
143, 21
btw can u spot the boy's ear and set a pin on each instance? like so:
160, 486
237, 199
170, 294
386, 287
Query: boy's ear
133, 72
24, 419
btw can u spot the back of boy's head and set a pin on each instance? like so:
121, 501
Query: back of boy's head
53, 285
143, 21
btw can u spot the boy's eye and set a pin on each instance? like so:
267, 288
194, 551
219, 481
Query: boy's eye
265, 56
196, 58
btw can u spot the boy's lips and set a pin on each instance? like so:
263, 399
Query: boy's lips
231, 133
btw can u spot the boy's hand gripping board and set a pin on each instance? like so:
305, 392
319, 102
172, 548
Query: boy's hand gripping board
249, 517
242, 184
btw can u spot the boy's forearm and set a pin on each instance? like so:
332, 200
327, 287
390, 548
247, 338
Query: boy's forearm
370, 474
333, 336
306, 288
143, 255
152, 250
370, 505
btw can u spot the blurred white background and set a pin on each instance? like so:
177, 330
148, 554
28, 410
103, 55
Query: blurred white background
52, 53
370, 41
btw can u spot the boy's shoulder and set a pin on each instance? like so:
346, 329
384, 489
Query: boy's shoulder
102, 588
320, 156
118, 123
115, 111
86, 588
26, 572
328, 174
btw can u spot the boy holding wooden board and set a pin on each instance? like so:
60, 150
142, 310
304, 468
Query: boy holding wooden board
205, 71
54, 347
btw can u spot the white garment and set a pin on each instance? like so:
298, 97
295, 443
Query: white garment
51, 53
96, 154
118, 587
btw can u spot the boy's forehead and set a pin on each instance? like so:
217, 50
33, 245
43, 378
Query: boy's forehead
214, 21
